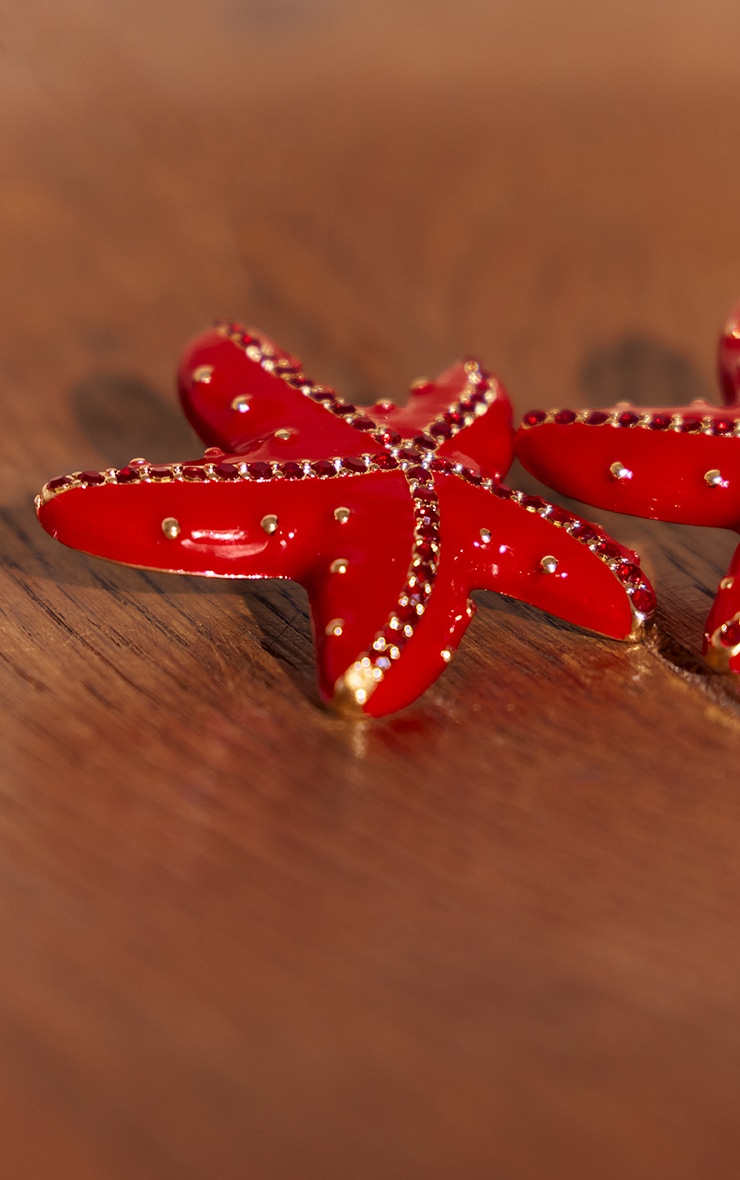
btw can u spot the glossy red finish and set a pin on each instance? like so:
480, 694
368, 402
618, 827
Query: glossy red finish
389, 517
679, 464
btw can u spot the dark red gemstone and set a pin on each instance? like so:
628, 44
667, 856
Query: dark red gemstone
413, 454
227, 470
643, 600
629, 574
429, 531
92, 477
533, 502
385, 461
292, 470
503, 491
691, 424
441, 464
61, 481
477, 397
297, 382
388, 438
534, 417
425, 442
583, 532
424, 572
565, 417
628, 418
407, 614
609, 550
362, 422
426, 495
323, 467
160, 472
343, 410
127, 475
558, 515
261, 470
471, 476
729, 635
354, 464
419, 474
723, 426
424, 549
454, 418
393, 636
190, 471
660, 421
596, 418
441, 430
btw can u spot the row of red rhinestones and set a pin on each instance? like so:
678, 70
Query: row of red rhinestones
629, 574
264, 356
413, 599
684, 423
473, 402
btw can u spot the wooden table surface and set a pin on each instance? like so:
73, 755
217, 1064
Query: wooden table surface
496, 935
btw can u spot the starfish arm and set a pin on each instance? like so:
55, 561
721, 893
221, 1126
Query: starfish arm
722, 632
728, 359
673, 464
540, 554
465, 413
239, 391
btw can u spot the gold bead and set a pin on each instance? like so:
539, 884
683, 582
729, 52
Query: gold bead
714, 479
549, 564
284, 434
485, 536
339, 566
241, 403
334, 627
619, 471
269, 523
171, 528
727, 583
342, 514
203, 374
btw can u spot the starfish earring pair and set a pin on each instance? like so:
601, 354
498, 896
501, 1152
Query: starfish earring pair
679, 464
388, 516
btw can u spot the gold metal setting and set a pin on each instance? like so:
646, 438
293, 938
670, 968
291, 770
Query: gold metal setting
714, 479
342, 514
269, 523
549, 564
339, 566
334, 627
619, 471
284, 434
727, 583
203, 374
241, 403
485, 536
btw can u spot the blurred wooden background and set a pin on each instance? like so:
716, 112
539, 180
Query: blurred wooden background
497, 934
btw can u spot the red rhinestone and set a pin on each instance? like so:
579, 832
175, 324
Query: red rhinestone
343, 411
723, 426
262, 470
441, 464
691, 424
533, 502
227, 470
454, 418
92, 477
609, 550
297, 381
629, 574
426, 495
160, 473
425, 572
425, 442
424, 549
583, 532
323, 467
534, 417
362, 422
628, 418
729, 635
429, 531
127, 475
354, 464
385, 461
502, 491
441, 430
477, 397
412, 453
388, 438
565, 417
393, 636
471, 476
290, 470
660, 421
643, 600
419, 474
558, 515
61, 481
596, 418
407, 614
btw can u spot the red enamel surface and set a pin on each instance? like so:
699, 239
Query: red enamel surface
682, 464
388, 517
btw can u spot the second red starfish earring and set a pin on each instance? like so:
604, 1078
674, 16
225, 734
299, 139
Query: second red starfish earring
679, 464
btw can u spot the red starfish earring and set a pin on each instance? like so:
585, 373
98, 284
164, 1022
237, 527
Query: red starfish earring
676, 464
389, 517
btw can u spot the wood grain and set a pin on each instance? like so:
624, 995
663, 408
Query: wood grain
496, 934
